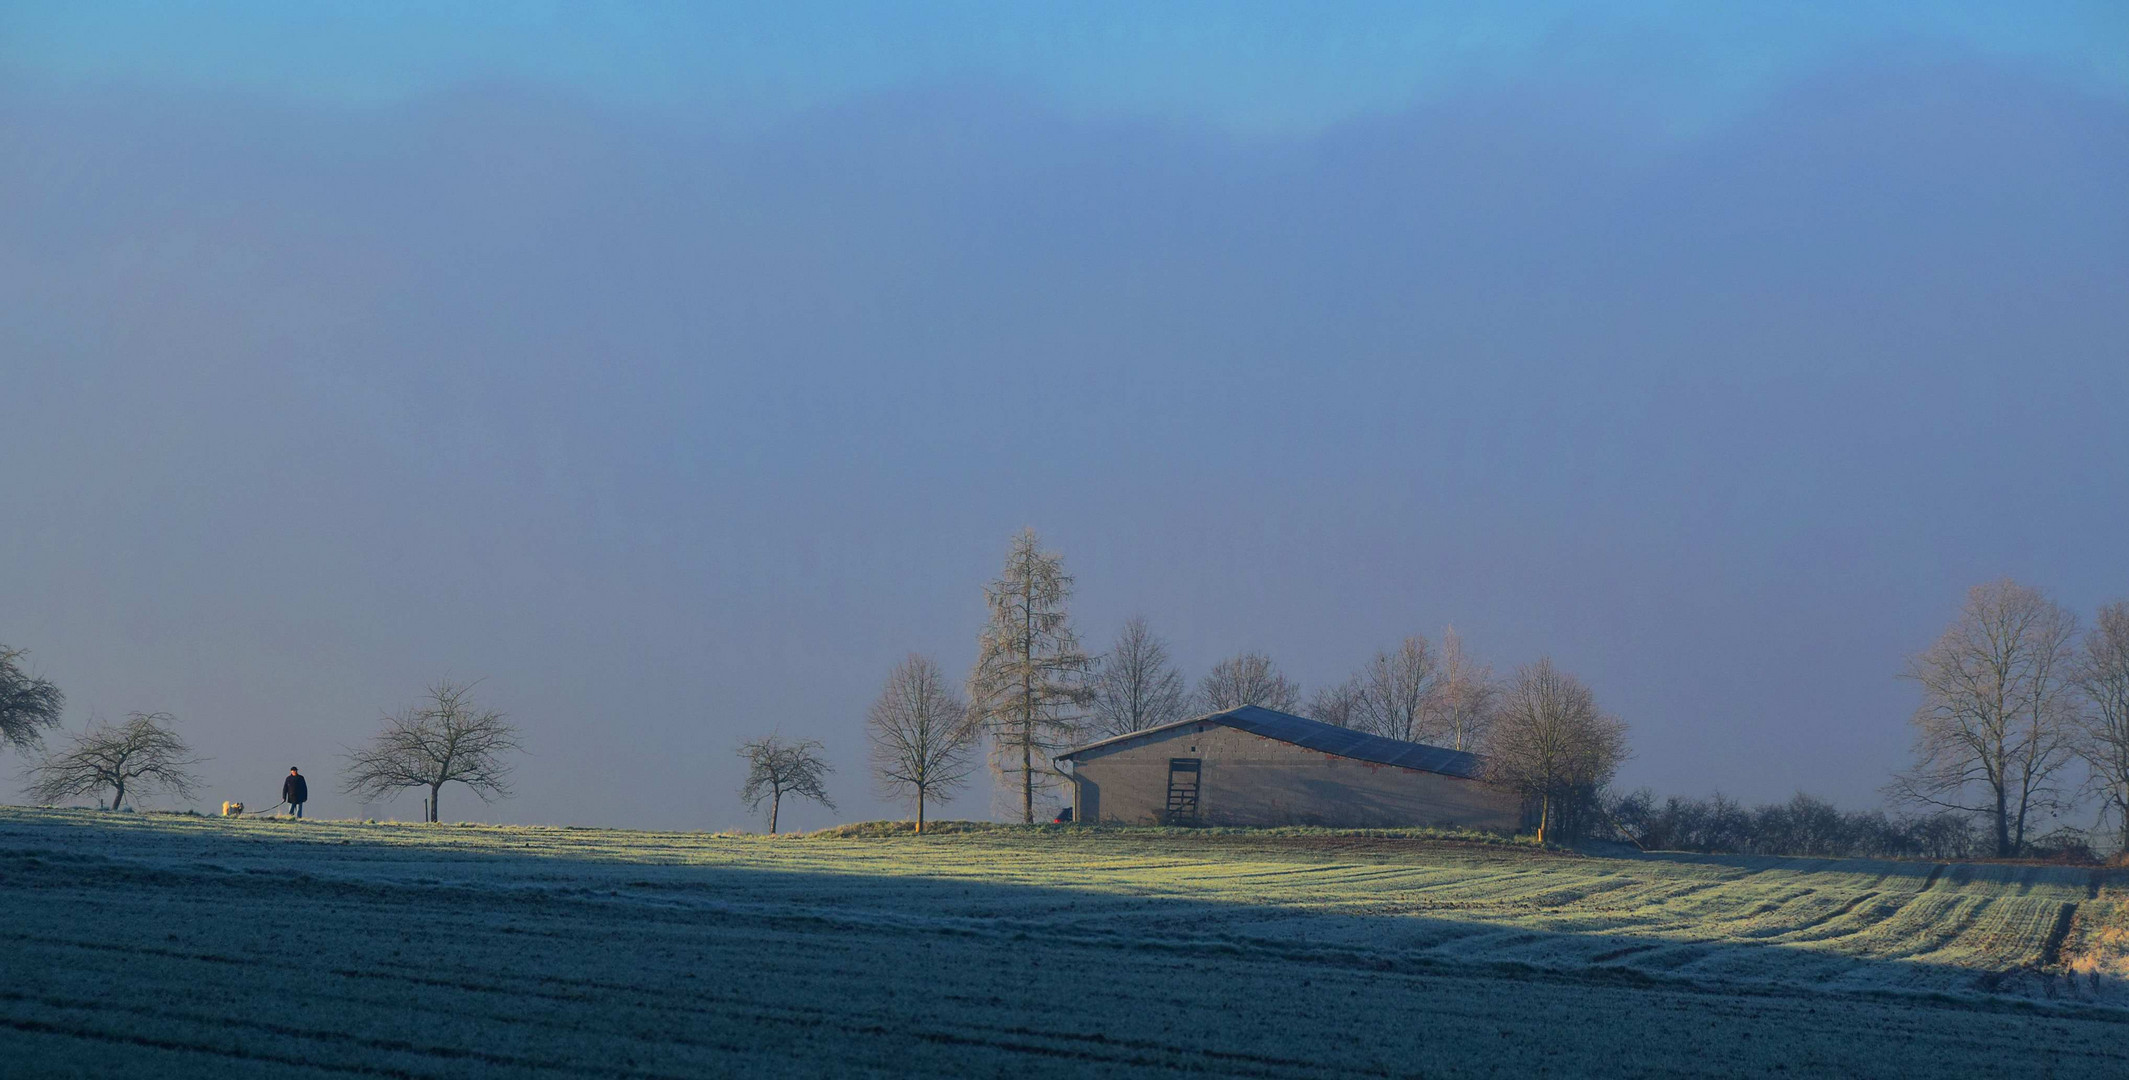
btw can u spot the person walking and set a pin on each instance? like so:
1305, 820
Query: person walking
294, 791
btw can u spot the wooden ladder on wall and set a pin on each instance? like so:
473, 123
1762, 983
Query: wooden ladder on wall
1183, 775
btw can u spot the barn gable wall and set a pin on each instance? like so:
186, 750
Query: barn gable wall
1246, 779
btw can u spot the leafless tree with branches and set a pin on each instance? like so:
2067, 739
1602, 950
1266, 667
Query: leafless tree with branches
1550, 742
28, 704
1996, 721
1337, 704
923, 739
1463, 699
776, 766
2103, 675
446, 739
1397, 689
1135, 687
143, 754
1248, 679
1029, 686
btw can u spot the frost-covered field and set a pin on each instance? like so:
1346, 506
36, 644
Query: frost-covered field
139, 946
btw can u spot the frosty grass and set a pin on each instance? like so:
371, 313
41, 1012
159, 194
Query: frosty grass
176, 946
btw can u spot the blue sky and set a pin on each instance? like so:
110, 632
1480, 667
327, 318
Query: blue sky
1246, 66
677, 374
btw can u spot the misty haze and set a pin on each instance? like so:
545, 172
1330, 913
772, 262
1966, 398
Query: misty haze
1531, 517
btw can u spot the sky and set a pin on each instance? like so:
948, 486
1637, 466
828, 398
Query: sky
674, 370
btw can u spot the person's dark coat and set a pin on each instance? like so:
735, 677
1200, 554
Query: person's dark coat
294, 790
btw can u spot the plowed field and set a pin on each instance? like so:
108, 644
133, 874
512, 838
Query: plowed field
172, 946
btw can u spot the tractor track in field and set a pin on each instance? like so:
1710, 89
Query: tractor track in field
1096, 1048
2051, 949
1540, 898
431, 952
118, 1038
565, 990
1443, 959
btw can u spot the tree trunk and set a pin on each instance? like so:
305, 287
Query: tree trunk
1027, 704
1027, 773
776, 798
1544, 815
920, 810
118, 795
2003, 825
434, 791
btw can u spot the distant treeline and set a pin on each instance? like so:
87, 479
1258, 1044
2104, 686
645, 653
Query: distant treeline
1808, 826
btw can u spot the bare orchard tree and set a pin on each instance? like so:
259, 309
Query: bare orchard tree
1248, 679
923, 741
1550, 742
1135, 687
776, 766
1996, 721
1463, 699
141, 755
28, 704
1397, 689
1338, 705
2103, 675
446, 739
1029, 685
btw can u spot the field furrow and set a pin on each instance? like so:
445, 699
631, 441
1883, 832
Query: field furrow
180, 946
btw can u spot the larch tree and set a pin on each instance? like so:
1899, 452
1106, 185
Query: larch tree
1397, 689
446, 739
1463, 700
1551, 743
778, 766
28, 704
141, 755
2103, 675
1029, 687
1248, 679
923, 739
1997, 719
1135, 687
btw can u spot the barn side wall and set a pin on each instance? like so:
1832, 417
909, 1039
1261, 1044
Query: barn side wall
1246, 779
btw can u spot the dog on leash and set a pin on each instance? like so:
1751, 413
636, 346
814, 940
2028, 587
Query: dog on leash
232, 809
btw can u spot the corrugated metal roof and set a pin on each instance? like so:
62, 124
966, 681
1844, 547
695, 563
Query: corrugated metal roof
1317, 735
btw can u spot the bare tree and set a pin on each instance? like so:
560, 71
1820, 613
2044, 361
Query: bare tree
1996, 720
28, 704
1550, 742
1134, 685
776, 765
1248, 679
1338, 704
1463, 699
2103, 675
1029, 685
143, 754
923, 741
1397, 690
446, 739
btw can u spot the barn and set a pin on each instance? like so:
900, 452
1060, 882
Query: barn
1255, 766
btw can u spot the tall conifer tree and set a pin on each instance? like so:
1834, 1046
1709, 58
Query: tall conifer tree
1029, 687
